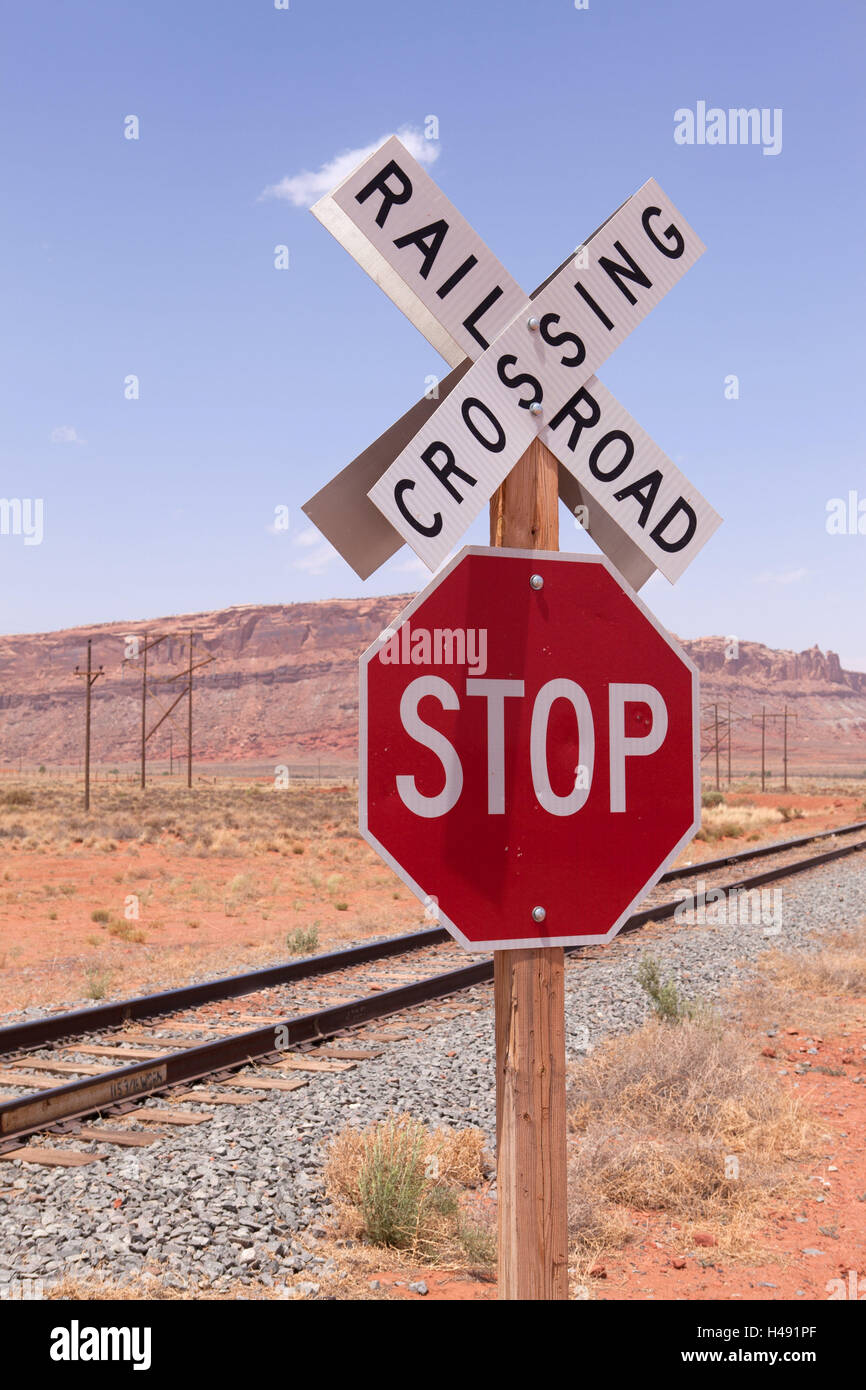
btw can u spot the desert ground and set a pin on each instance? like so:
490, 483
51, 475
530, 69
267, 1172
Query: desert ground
152, 888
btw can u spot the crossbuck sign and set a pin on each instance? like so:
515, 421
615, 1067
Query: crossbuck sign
523, 369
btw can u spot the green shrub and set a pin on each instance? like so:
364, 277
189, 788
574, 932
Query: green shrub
663, 994
303, 941
711, 799
391, 1183
97, 983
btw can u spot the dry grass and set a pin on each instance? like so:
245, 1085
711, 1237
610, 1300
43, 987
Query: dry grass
350, 1281
815, 989
838, 967
225, 820
657, 1118
734, 819
398, 1184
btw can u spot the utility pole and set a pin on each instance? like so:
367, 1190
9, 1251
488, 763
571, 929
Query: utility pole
146, 645
730, 726
189, 716
171, 752
92, 677
716, 709
785, 715
763, 746
144, 711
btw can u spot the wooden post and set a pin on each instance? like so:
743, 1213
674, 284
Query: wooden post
91, 677
730, 726
144, 713
87, 730
189, 716
763, 746
529, 993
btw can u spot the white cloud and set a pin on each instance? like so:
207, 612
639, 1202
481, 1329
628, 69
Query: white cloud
306, 188
317, 552
782, 576
311, 535
412, 564
66, 434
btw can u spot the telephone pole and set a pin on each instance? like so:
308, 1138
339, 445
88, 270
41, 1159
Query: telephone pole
730, 726
189, 714
785, 715
763, 746
716, 709
785, 753
185, 674
92, 677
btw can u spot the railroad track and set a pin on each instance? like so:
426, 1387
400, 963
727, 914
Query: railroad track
320, 1014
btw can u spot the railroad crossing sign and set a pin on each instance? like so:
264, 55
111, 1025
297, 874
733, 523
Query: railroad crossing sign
523, 369
530, 774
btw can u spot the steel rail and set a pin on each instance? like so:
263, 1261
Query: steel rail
778, 847
39, 1032
117, 1088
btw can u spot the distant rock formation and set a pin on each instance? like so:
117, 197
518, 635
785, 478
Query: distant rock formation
284, 687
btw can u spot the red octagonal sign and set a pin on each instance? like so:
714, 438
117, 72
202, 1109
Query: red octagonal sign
530, 758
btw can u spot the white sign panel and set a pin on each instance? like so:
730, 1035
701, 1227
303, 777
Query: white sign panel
394, 218
401, 228
535, 381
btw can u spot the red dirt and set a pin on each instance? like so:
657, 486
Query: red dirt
186, 925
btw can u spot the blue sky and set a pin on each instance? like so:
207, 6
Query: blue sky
155, 257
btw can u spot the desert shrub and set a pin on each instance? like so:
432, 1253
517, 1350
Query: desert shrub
99, 914
98, 981
838, 967
712, 798
17, 796
663, 994
126, 931
399, 1184
682, 1120
790, 813
391, 1185
303, 941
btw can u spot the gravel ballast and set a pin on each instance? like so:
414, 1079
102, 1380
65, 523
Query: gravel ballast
241, 1198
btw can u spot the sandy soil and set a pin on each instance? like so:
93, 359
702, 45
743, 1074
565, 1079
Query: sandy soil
208, 913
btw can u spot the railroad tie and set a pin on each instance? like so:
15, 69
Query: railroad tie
304, 1063
269, 1083
53, 1158
124, 1138
223, 1098
350, 1054
171, 1117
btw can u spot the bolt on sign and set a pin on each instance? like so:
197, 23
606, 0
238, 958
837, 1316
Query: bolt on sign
523, 369
531, 776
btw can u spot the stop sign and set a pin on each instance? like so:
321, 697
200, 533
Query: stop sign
530, 758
